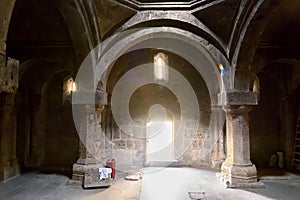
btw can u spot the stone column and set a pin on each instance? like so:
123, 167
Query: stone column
238, 170
8, 86
216, 128
90, 142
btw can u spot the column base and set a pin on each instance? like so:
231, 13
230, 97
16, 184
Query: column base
216, 164
80, 171
236, 176
9, 170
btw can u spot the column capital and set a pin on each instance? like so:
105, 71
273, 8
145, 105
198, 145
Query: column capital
238, 98
236, 109
9, 74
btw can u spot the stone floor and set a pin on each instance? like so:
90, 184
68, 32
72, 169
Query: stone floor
157, 184
188, 183
40, 186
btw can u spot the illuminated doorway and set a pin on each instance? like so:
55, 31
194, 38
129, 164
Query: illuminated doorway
160, 141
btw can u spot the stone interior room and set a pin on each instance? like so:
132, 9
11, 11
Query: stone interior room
209, 84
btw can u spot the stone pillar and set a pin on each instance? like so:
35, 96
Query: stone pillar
216, 128
238, 170
90, 142
8, 86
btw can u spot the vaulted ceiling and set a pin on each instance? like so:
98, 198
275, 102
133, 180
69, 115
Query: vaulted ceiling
77, 26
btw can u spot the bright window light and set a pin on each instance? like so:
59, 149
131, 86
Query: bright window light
69, 86
74, 88
161, 70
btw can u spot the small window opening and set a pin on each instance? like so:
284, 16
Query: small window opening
256, 85
161, 67
69, 86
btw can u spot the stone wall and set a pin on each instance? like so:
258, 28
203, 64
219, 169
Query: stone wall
127, 150
196, 144
272, 122
198, 149
9, 166
46, 135
193, 146
61, 139
9, 71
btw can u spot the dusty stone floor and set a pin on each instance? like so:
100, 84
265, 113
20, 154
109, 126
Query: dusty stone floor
157, 184
187, 183
39, 186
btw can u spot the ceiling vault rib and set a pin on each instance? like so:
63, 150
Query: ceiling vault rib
92, 15
245, 10
250, 13
82, 12
198, 7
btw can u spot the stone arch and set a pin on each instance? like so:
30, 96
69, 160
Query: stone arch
40, 66
180, 42
179, 21
246, 44
273, 121
77, 25
183, 43
295, 79
70, 22
265, 131
33, 107
97, 65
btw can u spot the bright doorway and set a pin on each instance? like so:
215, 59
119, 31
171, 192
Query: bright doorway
160, 141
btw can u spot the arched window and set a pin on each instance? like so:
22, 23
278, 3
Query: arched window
256, 85
161, 67
69, 86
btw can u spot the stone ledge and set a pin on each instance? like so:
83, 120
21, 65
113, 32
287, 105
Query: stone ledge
236, 98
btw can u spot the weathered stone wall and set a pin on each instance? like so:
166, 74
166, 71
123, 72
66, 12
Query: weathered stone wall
8, 163
264, 120
198, 149
272, 121
9, 71
46, 135
6, 9
196, 143
193, 146
127, 150
61, 139
8, 85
